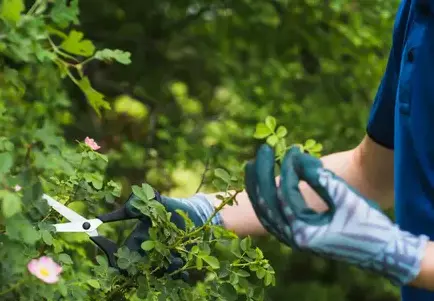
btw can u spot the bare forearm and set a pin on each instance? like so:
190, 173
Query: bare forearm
368, 168
241, 217
425, 279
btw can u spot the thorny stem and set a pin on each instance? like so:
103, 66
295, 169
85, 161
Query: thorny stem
60, 52
202, 181
123, 286
34, 7
200, 229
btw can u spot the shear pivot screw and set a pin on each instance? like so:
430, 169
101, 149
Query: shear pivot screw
86, 226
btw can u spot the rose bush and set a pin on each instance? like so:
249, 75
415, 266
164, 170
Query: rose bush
39, 48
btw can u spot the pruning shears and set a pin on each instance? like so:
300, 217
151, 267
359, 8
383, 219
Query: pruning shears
78, 223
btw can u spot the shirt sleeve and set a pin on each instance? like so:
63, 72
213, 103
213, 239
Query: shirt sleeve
381, 123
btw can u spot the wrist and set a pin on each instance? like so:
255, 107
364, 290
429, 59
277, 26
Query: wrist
402, 259
425, 278
205, 208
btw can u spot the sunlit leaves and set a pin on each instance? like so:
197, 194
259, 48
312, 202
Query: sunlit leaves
95, 98
6, 162
10, 203
75, 44
63, 14
145, 192
117, 55
148, 245
11, 10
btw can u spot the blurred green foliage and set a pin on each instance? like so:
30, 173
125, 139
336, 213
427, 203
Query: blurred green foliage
205, 72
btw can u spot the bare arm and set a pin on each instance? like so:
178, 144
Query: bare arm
368, 168
425, 279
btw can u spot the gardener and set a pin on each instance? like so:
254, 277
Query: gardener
394, 162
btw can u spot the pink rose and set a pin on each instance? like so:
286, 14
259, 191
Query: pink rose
45, 269
91, 143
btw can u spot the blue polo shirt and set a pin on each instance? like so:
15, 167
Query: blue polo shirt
402, 118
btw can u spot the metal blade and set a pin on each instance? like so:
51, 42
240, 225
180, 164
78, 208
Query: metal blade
69, 227
69, 214
88, 226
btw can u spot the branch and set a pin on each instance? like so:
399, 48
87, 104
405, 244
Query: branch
202, 181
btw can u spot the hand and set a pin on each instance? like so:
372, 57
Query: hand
198, 208
353, 230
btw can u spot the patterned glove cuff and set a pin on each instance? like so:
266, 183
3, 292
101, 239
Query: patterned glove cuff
401, 261
204, 207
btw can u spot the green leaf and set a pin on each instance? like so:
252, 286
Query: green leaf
95, 98
260, 273
228, 292
199, 263
225, 269
11, 10
123, 263
316, 148
195, 250
65, 258
212, 261
222, 174
235, 248
11, 203
189, 225
63, 15
93, 283
309, 143
234, 279
47, 237
148, 245
246, 243
94, 178
19, 228
75, 44
262, 131
6, 162
120, 56
242, 273
148, 191
268, 279
281, 131
272, 140
270, 122
145, 193
102, 260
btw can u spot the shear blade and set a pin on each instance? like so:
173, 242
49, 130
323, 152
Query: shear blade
88, 226
69, 214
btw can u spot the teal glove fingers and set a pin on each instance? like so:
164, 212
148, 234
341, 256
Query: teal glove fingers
353, 231
262, 192
291, 190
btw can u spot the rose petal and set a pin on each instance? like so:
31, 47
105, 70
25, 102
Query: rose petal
32, 266
50, 279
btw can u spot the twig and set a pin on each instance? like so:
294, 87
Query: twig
202, 181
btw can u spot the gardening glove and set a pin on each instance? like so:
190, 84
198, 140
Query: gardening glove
199, 209
353, 230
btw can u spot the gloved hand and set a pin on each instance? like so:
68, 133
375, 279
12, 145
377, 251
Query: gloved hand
198, 208
353, 230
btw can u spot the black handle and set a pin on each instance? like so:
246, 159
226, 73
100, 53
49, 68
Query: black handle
117, 215
127, 211
109, 248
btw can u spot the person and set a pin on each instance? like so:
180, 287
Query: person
324, 206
